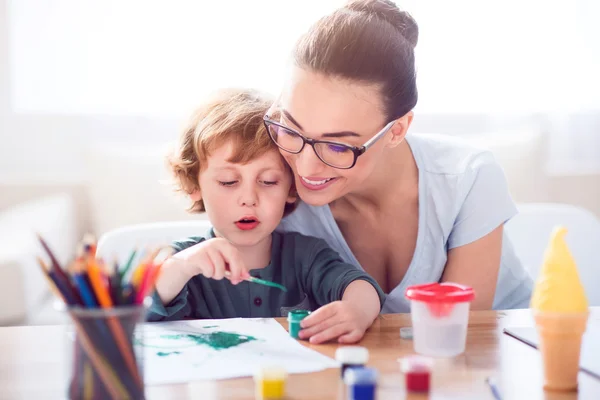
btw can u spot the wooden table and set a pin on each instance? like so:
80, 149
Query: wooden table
33, 366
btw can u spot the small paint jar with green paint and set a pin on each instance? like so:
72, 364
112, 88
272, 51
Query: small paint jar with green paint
294, 319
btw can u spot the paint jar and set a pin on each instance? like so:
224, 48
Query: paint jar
361, 383
294, 319
105, 364
270, 382
417, 373
351, 357
440, 316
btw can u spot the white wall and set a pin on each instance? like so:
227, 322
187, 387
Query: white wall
43, 153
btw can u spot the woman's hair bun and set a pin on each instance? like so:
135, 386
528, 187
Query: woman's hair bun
388, 11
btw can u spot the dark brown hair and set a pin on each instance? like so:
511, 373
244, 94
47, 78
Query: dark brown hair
229, 115
369, 41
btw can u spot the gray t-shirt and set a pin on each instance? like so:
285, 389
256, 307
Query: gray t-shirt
463, 196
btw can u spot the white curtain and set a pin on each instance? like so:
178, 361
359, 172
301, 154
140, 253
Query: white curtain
529, 59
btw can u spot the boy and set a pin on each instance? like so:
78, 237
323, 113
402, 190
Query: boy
230, 168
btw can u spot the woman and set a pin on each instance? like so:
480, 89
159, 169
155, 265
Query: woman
408, 209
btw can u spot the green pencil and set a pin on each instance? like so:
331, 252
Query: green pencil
128, 265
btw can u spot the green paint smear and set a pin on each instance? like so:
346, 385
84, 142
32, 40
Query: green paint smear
164, 354
211, 326
215, 340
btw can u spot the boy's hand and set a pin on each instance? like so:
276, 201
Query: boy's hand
214, 258
340, 319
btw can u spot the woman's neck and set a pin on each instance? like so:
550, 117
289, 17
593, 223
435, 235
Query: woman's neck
394, 180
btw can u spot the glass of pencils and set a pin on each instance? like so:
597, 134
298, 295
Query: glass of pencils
105, 306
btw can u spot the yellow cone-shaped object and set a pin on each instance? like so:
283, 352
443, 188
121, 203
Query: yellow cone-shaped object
560, 308
558, 288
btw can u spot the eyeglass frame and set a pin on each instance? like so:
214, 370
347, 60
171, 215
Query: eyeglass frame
358, 151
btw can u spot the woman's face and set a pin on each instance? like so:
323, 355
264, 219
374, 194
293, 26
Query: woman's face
338, 110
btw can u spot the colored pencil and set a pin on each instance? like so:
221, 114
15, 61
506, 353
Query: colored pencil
148, 282
128, 265
107, 354
105, 302
59, 274
493, 388
106, 374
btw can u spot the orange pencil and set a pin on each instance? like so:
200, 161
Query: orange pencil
105, 302
148, 282
138, 275
142, 269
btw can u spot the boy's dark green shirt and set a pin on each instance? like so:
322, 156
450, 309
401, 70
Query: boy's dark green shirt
313, 273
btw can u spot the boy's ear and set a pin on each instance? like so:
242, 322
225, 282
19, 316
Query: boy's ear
292, 195
196, 195
291, 199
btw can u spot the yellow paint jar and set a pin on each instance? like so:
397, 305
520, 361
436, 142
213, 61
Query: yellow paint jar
270, 383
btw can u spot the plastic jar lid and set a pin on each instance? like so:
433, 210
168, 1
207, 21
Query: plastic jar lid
415, 364
354, 376
352, 355
297, 315
417, 373
270, 373
440, 293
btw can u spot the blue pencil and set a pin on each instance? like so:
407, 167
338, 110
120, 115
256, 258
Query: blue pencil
88, 299
494, 388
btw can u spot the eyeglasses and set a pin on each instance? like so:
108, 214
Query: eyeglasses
334, 154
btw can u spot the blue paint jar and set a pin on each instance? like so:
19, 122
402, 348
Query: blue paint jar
361, 383
351, 357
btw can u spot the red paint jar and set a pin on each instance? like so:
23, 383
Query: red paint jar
417, 373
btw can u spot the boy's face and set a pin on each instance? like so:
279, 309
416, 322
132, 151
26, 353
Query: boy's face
244, 202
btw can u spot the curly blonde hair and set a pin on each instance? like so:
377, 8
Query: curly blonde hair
230, 115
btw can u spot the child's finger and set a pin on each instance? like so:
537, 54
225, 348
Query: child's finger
329, 334
235, 262
352, 337
206, 267
322, 314
218, 265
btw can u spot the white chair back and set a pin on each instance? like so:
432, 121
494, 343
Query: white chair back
119, 243
530, 232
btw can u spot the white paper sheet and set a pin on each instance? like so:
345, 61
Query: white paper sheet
185, 351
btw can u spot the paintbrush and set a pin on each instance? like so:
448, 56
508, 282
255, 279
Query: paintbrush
260, 281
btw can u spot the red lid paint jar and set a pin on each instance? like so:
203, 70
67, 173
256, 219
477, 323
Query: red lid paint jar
417, 373
440, 316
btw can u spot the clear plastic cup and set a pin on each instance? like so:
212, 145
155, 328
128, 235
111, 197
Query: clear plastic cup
440, 316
